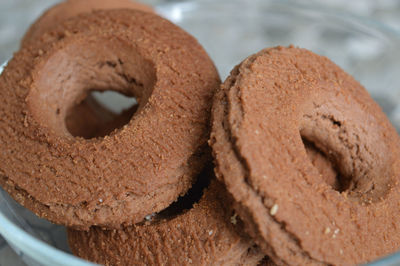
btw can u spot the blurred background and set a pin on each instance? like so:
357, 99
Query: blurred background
17, 15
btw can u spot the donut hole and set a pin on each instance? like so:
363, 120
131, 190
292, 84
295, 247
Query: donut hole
326, 167
356, 151
100, 113
73, 77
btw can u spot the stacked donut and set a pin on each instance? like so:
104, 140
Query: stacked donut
306, 163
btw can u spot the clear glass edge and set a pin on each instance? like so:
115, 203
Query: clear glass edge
36, 248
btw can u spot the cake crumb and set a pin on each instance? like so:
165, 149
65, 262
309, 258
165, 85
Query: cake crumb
149, 217
233, 219
26, 124
274, 209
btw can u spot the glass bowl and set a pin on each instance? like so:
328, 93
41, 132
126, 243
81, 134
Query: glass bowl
230, 30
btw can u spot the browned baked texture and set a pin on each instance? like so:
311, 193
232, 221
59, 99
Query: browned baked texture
132, 172
90, 118
57, 14
269, 104
208, 234
325, 167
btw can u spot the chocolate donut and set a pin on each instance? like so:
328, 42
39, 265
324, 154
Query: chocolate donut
207, 234
134, 171
55, 15
270, 105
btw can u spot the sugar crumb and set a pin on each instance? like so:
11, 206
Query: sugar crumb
335, 233
149, 217
233, 219
274, 209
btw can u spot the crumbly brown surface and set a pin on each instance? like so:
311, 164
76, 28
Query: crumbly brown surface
134, 171
90, 118
325, 167
269, 104
204, 235
59, 13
